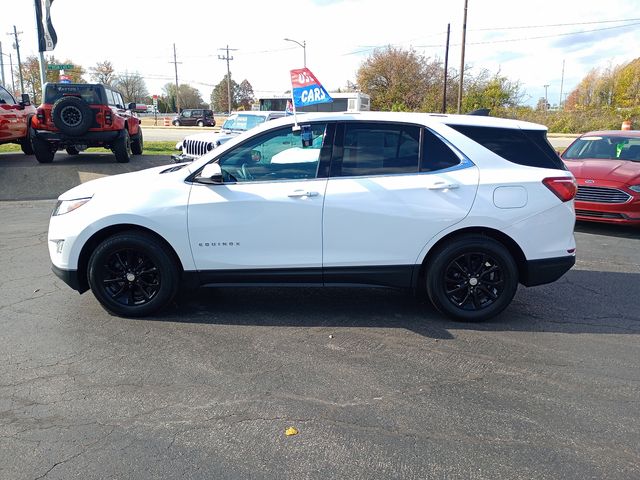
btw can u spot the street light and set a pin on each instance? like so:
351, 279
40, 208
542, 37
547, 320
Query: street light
304, 48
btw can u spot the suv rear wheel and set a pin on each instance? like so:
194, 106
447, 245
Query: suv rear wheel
137, 143
122, 147
44, 152
471, 278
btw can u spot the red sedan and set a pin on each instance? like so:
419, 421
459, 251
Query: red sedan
606, 165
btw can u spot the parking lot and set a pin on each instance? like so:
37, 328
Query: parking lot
376, 382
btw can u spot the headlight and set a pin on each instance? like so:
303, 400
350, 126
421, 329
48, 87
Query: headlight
66, 206
635, 188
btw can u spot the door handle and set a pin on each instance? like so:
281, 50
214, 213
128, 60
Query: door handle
302, 193
442, 186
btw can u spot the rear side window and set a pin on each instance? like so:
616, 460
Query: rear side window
436, 155
524, 147
379, 149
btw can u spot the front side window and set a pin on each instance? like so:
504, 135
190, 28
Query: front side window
5, 97
186, 114
379, 149
276, 155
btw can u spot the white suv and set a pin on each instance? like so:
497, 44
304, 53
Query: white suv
460, 208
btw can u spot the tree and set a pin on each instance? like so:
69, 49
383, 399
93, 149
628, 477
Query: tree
398, 79
189, 97
132, 87
495, 92
244, 95
103, 72
31, 75
219, 96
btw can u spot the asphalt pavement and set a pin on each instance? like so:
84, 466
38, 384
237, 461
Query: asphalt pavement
376, 383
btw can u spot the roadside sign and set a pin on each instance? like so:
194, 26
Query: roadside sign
53, 66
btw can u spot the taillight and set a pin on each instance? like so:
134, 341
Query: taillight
40, 115
108, 119
563, 187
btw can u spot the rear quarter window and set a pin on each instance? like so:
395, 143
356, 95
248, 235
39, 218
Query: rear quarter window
524, 147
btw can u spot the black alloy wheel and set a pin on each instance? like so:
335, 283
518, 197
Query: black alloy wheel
122, 147
132, 274
137, 143
43, 150
471, 278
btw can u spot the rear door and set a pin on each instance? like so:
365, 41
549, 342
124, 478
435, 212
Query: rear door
392, 188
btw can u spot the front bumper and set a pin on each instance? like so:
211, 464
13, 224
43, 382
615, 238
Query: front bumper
71, 278
546, 270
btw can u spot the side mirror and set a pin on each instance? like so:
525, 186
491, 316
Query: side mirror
211, 174
25, 100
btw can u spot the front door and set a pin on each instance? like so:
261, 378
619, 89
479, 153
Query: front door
265, 221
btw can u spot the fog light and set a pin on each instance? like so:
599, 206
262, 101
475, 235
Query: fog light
59, 245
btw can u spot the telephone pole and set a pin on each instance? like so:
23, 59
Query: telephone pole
175, 64
17, 47
2, 64
464, 38
546, 98
228, 58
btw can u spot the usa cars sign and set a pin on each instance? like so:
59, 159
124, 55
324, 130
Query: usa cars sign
307, 90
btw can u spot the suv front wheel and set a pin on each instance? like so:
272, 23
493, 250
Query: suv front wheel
122, 147
132, 274
471, 278
137, 143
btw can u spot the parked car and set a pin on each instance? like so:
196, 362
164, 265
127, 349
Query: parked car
15, 118
76, 116
458, 208
606, 165
195, 116
197, 144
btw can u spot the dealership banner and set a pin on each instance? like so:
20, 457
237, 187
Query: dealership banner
47, 37
306, 88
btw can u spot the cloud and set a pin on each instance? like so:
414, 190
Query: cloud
577, 41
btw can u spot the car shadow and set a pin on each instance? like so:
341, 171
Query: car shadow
610, 230
580, 302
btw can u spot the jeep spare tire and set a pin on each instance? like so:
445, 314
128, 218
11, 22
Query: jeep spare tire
72, 116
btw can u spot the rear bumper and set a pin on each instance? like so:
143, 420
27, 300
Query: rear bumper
90, 139
71, 278
546, 270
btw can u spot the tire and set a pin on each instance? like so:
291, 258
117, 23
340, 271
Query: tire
43, 151
137, 143
201, 123
122, 147
471, 278
132, 274
72, 116
25, 145
72, 150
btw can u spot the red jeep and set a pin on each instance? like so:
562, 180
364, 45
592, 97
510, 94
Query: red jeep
14, 120
76, 116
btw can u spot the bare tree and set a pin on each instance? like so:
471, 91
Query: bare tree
103, 72
132, 86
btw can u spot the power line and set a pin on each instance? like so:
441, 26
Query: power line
555, 25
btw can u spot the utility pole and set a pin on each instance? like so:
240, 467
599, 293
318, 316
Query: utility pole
17, 47
546, 98
464, 38
446, 67
175, 64
561, 85
228, 58
2, 64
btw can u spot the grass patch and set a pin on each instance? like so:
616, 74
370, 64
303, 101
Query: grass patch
150, 148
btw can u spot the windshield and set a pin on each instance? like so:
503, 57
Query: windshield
91, 94
242, 122
605, 148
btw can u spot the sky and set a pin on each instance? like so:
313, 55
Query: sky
525, 41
